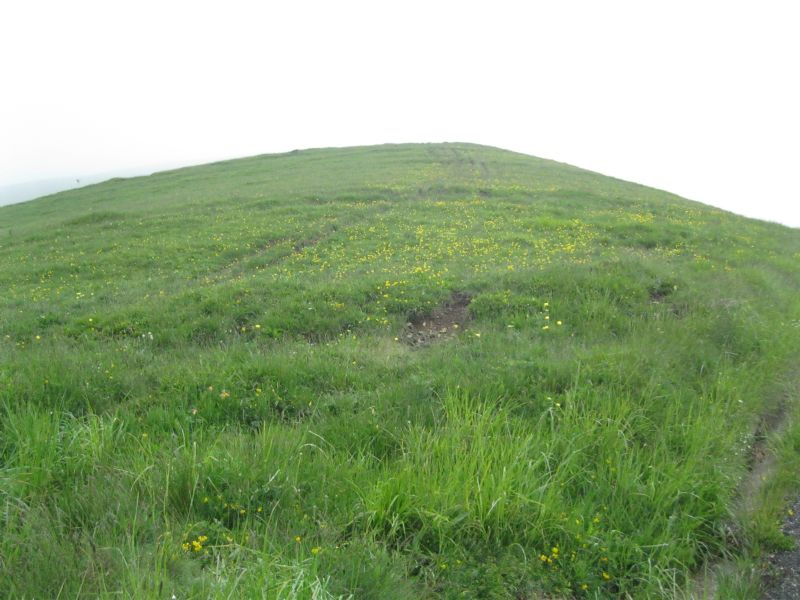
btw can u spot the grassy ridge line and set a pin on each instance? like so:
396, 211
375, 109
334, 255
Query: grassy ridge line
203, 395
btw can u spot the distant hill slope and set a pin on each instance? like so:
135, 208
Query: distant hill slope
21, 192
466, 164
402, 371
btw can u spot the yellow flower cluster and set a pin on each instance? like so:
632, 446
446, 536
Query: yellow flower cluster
195, 545
551, 558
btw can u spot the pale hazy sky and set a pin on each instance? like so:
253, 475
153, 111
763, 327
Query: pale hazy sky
699, 98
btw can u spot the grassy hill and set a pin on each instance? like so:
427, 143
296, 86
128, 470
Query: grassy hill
406, 371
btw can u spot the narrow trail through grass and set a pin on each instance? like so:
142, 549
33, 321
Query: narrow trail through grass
758, 513
782, 576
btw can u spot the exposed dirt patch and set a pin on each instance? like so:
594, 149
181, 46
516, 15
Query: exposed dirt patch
781, 574
782, 577
661, 290
760, 460
445, 321
761, 463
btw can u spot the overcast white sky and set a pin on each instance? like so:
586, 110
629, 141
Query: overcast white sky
699, 98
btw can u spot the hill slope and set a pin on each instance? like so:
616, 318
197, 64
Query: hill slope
392, 372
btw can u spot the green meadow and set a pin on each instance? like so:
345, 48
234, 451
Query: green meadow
394, 372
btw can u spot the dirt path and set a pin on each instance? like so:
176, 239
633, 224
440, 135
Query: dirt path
782, 577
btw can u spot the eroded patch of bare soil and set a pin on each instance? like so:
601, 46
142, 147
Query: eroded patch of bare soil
761, 462
443, 322
782, 576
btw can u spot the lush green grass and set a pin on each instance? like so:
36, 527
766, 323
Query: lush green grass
205, 392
